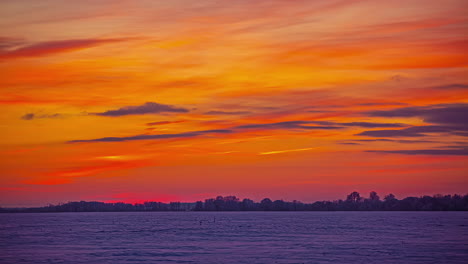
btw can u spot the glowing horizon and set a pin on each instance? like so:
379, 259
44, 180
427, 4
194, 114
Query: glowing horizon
182, 100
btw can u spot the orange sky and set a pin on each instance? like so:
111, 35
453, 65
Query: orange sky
183, 100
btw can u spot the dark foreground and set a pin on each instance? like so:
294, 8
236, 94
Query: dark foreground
235, 237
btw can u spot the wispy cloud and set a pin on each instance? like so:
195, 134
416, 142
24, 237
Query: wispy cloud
447, 114
9, 43
453, 86
463, 151
146, 108
415, 131
53, 47
227, 113
359, 124
31, 116
158, 123
286, 125
158, 136
447, 118
284, 151
405, 141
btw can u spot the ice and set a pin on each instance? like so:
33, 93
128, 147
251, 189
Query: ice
235, 237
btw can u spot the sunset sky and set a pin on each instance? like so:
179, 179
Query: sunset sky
123, 100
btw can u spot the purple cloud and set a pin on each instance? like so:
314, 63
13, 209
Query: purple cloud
227, 113
447, 118
415, 131
286, 125
31, 116
463, 151
446, 114
52, 47
358, 124
318, 125
158, 136
146, 108
406, 141
28, 116
371, 125
454, 86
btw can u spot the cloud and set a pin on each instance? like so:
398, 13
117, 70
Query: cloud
447, 118
393, 140
463, 151
372, 140
390, 133
454, 86
371, 125
279, 125
158, 136
164, 123
8, 43
306, 125
283, 151
319, 111
68, 175
227, 113
52, 47
31, 116
382, 104
415, 131
323, 125
286, 125
358, 124
146, 108
447, 114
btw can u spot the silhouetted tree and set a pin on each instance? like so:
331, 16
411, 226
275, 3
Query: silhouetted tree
279, 205
390, 203
248, 205
198, 206
219, 203
266, 204
373, 196
389, 197
210, 205
353, 197
231, 203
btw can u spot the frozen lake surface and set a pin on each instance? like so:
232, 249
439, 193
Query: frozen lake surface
235, 237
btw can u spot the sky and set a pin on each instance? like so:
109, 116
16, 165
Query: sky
122, 100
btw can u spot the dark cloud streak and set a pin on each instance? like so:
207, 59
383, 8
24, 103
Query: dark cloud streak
159, 136
447, 151
446, 118
52, 47
454, 86
446, 114
164, 123
146, 108
31, 116
227, 113
287, 125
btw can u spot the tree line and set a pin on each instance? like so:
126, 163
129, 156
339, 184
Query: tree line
353, 202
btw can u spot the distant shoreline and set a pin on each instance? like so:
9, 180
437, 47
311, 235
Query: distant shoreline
353, 202
175, 212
